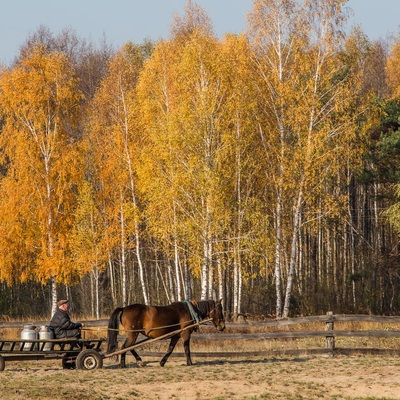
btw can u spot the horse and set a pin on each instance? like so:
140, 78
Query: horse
157, 321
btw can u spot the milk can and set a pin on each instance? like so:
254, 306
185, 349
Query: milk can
45, 334
29, 333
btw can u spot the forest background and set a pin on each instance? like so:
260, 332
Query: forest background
261, 168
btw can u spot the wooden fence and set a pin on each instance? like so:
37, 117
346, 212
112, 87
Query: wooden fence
330, 324
328, 333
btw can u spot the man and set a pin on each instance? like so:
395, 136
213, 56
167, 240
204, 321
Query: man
62, 325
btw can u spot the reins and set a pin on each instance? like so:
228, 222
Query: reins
192, 321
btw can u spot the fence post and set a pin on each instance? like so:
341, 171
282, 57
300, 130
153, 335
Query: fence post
329, 327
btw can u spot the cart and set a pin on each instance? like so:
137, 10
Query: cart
74, 353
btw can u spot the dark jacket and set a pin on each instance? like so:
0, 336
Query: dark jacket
63, 326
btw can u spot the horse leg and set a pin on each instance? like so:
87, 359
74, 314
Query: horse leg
123, 355
139, 361
186, 346
130, 341
172, 344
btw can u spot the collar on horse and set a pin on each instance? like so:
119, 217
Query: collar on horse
193, 313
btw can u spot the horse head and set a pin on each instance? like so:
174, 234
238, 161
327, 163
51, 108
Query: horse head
217, 315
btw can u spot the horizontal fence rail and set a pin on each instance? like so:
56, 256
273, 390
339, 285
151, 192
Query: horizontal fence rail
295, 335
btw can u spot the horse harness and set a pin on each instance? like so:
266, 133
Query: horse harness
194, 311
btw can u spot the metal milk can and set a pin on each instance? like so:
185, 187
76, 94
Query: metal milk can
45, 334
29, 333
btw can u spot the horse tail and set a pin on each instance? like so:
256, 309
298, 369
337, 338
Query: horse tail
112, 332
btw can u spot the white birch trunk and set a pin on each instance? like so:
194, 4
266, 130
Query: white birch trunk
170, 275
235, 287
92, 293
141, 268
292, 262
204, 270
97, 275
123, 257
278, 251
50, 245
53, 296
237, 284
220, 280
96, 291
177, 271
210, 272
112, 282
240, 286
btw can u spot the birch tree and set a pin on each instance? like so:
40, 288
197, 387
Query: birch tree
87, 241
39, 99
113, 138
306, 127
201, 97
182, 93
247, 230
159, 173
185, 141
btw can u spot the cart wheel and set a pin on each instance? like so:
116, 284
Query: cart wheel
68, 362
89, 359
2, 363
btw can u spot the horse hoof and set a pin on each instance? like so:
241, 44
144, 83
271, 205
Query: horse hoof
140, 364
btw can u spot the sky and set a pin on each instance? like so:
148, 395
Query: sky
120, 21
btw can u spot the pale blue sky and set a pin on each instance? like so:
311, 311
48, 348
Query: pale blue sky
121, 21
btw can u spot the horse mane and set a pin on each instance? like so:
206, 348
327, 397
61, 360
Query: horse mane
204, 307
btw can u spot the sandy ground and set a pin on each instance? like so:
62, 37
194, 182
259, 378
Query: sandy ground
315, 377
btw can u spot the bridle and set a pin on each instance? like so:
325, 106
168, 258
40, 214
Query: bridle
217, 309
212, 309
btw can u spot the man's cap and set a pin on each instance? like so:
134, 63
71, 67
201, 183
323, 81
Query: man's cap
61, 302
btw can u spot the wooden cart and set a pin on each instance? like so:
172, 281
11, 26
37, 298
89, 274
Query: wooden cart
75, 353
79, 353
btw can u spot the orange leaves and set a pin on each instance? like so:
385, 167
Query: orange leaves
41, 89
39, 98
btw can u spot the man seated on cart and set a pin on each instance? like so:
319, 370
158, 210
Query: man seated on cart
62, 325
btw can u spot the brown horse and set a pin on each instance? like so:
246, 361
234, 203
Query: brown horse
156, 321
